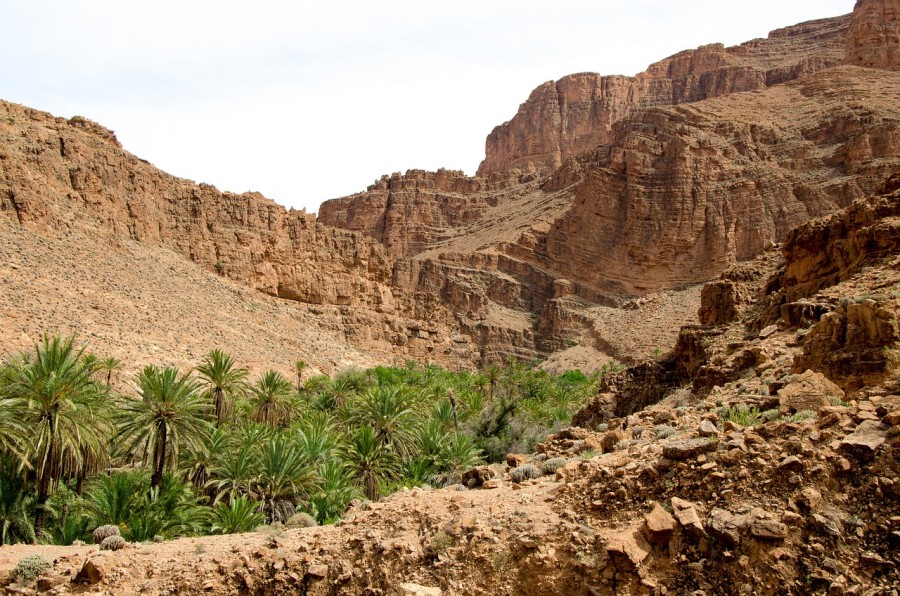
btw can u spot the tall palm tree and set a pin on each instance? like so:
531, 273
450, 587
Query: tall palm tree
272, 400
109, 366
224, 382
167, 418
65, 412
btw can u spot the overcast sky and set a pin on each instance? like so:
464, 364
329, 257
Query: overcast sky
308, 101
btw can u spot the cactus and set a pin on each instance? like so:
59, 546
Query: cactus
552, 465
103, 532
114, 542
523, 473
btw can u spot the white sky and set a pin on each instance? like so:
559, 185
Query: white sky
308, 101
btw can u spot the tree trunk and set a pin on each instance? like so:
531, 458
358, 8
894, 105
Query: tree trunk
45, 470
159, 457
220, 407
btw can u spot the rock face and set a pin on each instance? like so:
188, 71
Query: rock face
62, 174
602, 189
874, 36
565, 118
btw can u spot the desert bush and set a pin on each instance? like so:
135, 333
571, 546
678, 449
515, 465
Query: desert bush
31, 566
114, 542
552, 465
300, 520
523, 473
664, 431
742, 414
802, 415
104, 532
440, 542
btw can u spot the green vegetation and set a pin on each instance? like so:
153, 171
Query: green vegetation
741, 414
212, 451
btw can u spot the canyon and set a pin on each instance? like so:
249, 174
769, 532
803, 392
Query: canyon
598, 211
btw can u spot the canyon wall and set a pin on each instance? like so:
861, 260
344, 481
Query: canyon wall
874, 38
562, 119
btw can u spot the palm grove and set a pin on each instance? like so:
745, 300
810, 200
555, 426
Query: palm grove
212, 451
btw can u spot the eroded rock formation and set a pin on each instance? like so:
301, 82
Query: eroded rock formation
874, 37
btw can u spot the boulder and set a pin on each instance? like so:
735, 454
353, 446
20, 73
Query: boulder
689, 448
708, 429
686, 514
627, 551
725, 527
865, 440
476, 477
659, 525
808, 392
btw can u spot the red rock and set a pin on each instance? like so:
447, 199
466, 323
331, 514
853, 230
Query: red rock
659, 525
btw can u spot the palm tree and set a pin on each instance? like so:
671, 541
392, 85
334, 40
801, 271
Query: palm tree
285, 478
15, 526
235, 472
492, 374
371, 459
388, 411
241, 515
109, 366
167, 418
113, 497
197, 462
64, 411
272, 400
223, 381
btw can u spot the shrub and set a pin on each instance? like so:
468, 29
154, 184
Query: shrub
523, 473
802, 415
602, 427
114, 542
103, 532
742, 414
552, 465
834, 400
440, 542
301, 520
772, 415
31, 566
664, 431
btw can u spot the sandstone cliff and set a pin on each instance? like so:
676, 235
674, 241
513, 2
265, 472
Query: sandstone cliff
635, 189
874, 38
564, 118
58, 174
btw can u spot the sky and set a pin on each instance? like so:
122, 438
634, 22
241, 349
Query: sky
307, 101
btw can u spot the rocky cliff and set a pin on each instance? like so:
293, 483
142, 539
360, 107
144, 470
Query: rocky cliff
562, 119
874, 38
602, 192
58, 174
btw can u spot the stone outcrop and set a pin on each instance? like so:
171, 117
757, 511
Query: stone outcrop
874, 35
562, 119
